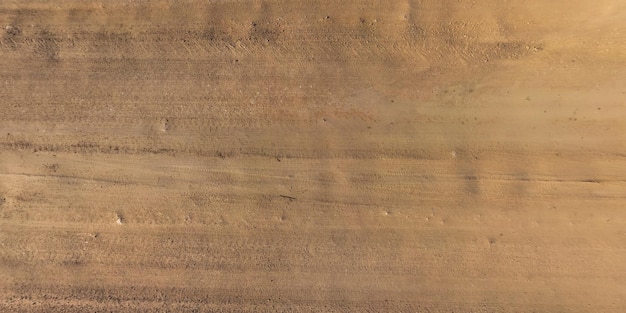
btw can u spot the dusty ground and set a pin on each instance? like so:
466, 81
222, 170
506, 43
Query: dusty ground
327, 156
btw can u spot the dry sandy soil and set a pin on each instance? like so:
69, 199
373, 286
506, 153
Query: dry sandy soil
313, 156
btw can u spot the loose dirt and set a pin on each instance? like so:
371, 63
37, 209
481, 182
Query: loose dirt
312, 156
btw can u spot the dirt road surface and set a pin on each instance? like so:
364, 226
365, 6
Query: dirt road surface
313, 156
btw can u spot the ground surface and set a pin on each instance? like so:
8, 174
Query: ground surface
326, 156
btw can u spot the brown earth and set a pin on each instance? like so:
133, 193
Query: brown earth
313, 156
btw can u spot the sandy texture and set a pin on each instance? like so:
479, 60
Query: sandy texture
313, 156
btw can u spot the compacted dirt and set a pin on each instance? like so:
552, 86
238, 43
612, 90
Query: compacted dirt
313, 156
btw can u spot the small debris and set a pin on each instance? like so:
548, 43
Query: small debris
288, 197
12, 30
